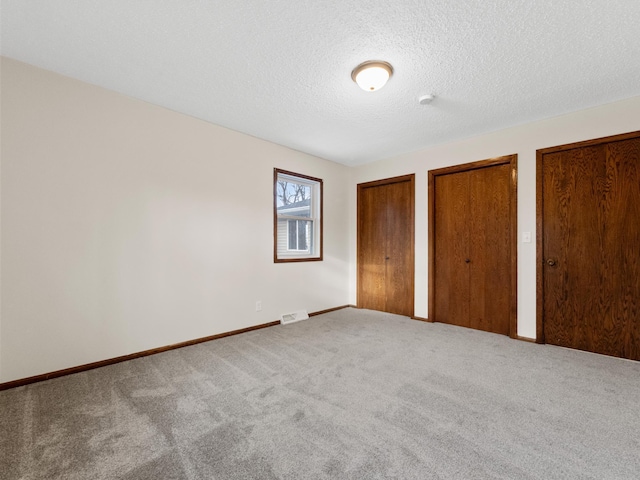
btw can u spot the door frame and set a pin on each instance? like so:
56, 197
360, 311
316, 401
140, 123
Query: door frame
512, 161
411, 178
540, 153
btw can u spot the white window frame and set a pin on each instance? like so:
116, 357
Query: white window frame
314, 221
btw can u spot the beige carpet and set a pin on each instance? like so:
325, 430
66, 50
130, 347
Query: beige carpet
352, 394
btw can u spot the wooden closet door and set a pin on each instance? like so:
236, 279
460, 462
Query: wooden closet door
472, 245
386, 245
591, 247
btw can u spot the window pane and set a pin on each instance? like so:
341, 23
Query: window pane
293, 199
298, 209
302, 235
293, 237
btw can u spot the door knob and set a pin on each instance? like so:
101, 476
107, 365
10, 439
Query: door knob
551, 262
386, 258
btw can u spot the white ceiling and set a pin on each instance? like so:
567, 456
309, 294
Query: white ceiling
280, 69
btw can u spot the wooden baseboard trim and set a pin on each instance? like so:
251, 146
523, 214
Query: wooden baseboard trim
103, 363
526, 339
421, 319
330, 310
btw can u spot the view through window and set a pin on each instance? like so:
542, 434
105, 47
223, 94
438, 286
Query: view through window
297, 217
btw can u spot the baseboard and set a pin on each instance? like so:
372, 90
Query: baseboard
526, 339
103, 363
313, 314
421, 319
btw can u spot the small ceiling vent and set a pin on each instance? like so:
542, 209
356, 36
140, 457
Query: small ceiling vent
293, 317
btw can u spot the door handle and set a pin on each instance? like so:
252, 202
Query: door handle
467, 261
386, 258
551, 262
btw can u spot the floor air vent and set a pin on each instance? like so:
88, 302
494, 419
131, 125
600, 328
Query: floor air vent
293, 317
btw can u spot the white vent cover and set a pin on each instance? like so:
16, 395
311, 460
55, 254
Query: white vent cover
293, 317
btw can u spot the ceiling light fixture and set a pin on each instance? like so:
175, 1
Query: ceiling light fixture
372, 75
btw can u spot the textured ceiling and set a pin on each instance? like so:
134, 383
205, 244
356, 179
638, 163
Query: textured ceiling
280, 69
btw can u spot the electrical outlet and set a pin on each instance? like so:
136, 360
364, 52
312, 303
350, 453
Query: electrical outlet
258, 306
526, 237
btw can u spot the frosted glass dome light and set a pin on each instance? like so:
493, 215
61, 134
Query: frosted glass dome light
372, 75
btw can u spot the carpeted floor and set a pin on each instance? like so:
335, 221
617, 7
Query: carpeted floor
352, 394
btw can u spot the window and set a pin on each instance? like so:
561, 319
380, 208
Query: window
297, 217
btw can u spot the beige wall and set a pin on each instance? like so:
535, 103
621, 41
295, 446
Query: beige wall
597, 122
126, 226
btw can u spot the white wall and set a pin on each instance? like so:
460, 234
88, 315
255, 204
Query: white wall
126, 227
611, 119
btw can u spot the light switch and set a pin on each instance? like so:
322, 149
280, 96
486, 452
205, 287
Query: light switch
526, 237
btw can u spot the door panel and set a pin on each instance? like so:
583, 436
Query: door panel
489, 249
452, 251
371, 251
590, 247
399, 249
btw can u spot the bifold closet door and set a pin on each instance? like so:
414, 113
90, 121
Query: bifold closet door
472, 251
385, 245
